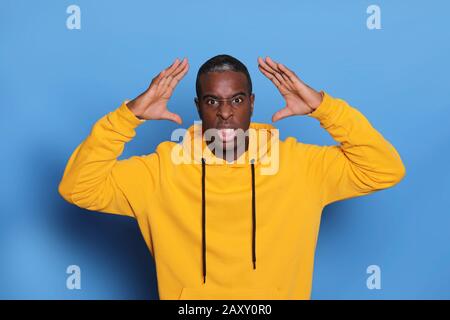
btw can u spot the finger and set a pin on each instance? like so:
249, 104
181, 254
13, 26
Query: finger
272, 67
266, 66
272, 64
173, 83
283, 89
269, 75
296, 81
156, 79
276, 66
281, 79
274, 80
164, 73
302, 87
172, 79
281, 114
172, 117
269, 72
179, 76
173, 67
162, 85
289, 73
181, 67
173, 71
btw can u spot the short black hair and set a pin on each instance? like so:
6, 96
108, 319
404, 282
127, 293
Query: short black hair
221, 63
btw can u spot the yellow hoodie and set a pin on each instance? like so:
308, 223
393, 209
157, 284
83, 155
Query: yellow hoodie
226, 230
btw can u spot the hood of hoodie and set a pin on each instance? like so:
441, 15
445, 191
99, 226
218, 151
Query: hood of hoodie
262, 136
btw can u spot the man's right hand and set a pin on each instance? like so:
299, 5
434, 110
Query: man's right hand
152, 104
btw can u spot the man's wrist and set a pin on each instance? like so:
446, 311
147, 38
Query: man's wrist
316, 105
126, 103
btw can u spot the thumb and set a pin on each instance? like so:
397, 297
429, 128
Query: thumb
281, 114
171, 116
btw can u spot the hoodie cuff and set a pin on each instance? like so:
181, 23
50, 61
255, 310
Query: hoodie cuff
325, 109
128, 116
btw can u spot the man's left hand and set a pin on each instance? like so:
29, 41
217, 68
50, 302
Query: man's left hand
300, 98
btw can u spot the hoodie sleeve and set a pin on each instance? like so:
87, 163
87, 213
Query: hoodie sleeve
362, 163
96, 180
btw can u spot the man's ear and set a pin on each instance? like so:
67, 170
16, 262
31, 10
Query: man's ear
252, 103
198, 107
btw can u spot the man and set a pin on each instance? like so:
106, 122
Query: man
223, 229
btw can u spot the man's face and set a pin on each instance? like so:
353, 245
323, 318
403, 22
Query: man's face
225, 103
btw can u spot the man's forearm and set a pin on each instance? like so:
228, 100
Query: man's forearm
94, 158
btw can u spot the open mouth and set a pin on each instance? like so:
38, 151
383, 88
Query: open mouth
226, 134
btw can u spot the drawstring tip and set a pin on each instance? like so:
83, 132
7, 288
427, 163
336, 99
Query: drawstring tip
254, 264
204, 279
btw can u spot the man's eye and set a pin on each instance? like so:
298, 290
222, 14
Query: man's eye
238, 100
211, 101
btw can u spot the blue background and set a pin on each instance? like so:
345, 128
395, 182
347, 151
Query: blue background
55, 83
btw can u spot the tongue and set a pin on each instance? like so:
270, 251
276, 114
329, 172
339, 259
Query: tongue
226, 135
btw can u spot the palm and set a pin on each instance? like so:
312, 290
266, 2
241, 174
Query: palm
295, 104
300, 98
158, 107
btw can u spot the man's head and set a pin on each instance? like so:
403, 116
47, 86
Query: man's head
224, 95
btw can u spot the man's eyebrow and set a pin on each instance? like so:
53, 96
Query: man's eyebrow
208, 95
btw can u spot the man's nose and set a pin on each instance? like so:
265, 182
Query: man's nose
225, 111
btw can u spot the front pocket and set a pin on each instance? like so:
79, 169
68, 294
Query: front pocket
218, 293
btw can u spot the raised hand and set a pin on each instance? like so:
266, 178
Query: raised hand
300, 98
152, 103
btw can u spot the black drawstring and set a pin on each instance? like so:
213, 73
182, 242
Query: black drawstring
204, 218
203, 222
253, 216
